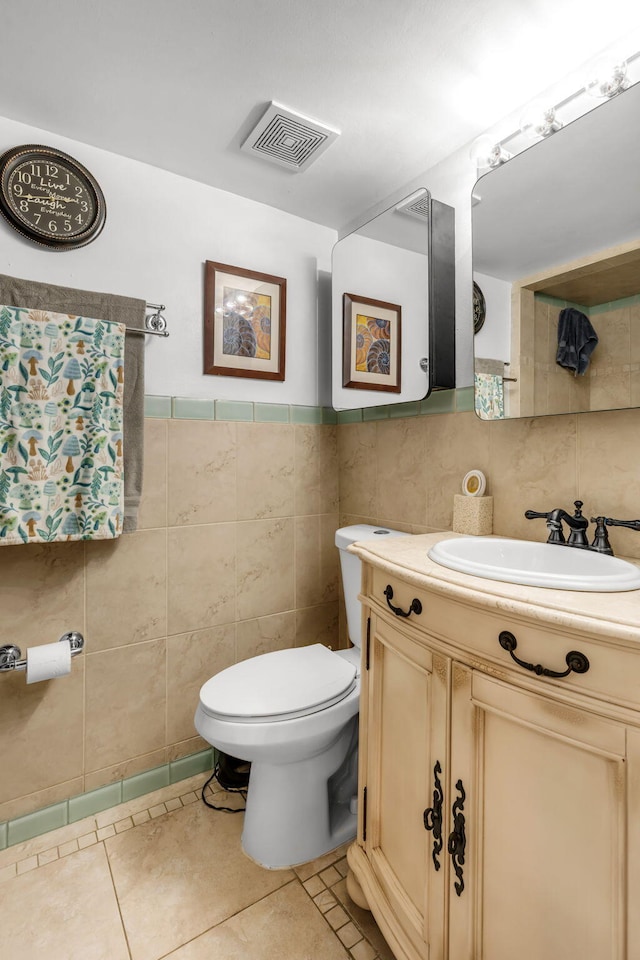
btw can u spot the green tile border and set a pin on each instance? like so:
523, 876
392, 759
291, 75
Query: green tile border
238, 410
243, 411
184, 408
94, 801
86, 804
270, 413
440, 401
308, 415
465, 401
159, 407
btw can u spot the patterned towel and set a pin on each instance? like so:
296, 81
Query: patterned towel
489, 396
61, 389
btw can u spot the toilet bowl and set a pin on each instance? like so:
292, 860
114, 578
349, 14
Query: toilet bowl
294, 715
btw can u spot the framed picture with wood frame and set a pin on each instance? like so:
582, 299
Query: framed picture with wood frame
371, 343
244, 322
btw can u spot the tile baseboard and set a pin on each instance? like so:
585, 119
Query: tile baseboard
95, 801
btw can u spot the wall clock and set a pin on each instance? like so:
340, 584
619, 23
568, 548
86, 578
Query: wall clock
50, 198
479, 308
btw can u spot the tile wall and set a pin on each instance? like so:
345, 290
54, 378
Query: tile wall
234, 556
612, 379
405, 473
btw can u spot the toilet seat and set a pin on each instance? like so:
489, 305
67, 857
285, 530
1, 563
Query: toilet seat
281, 685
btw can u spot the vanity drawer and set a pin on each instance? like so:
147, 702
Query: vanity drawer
473, 635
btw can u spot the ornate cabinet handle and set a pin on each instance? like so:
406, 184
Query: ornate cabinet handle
457, 838
433, 815
576, 661
416, 606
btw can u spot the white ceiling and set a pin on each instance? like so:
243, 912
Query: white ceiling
180, 84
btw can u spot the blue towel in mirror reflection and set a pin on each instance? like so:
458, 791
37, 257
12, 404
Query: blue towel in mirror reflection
576, 340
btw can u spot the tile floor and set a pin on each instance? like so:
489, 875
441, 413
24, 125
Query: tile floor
163, 876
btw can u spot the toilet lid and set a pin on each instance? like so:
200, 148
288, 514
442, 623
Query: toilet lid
279, 685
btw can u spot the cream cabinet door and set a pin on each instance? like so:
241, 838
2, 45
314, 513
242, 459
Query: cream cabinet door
406, 688
543, 790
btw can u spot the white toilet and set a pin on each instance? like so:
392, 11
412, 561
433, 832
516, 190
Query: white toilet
294, 715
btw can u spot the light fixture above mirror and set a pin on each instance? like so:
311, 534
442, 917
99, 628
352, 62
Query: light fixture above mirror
558, 227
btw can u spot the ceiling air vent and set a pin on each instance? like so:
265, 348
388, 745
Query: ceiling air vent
289, 139
417, 205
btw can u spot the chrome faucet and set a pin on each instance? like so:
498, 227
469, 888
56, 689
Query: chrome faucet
578, 526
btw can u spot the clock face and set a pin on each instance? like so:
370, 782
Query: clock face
50, 198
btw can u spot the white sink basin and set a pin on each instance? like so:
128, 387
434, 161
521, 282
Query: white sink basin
536, 564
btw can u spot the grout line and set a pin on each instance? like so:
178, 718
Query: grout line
323, 864
115, 893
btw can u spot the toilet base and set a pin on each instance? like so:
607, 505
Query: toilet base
297, 812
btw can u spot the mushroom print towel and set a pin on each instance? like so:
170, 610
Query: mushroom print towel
61, 389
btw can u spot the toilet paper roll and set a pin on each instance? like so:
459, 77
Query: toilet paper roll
48, 661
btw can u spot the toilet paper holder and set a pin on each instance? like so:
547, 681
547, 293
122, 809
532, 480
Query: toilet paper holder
10, 654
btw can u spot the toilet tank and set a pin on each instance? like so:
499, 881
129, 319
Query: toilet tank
351, 568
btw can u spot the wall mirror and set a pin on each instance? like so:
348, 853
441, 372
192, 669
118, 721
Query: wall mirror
557, 228
386, 277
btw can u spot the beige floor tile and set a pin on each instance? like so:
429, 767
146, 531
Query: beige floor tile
182, 873
65, 910
46, 841
306, 870
283, 926
364, 921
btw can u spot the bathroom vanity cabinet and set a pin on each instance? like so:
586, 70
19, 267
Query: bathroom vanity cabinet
500, 806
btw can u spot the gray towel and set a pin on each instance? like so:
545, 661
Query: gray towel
101, 306
576, 340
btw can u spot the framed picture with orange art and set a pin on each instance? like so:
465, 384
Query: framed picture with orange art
371, 343
244, 322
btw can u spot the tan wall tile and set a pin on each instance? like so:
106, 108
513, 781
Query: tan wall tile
192, 658
318, 625
125, 714
265, 567
316, 560
357, 446
133, 567
401, 484
42, 591
127, 768
39, 745
153, 503
609, 468
454, 444
265, 470
202, 576
202, 472
264, 634
316, 469
533, 466
175, 751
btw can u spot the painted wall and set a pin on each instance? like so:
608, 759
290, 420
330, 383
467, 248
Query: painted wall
493, 341
160, 230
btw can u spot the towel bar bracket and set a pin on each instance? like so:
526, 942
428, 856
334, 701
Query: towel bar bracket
10, 654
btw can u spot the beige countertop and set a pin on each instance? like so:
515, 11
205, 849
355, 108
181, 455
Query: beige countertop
615, 616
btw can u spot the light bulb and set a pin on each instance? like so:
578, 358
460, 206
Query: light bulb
607, 77
485, 152
539, 120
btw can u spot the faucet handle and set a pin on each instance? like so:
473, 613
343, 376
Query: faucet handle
631, 524
578, 504
601, 539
